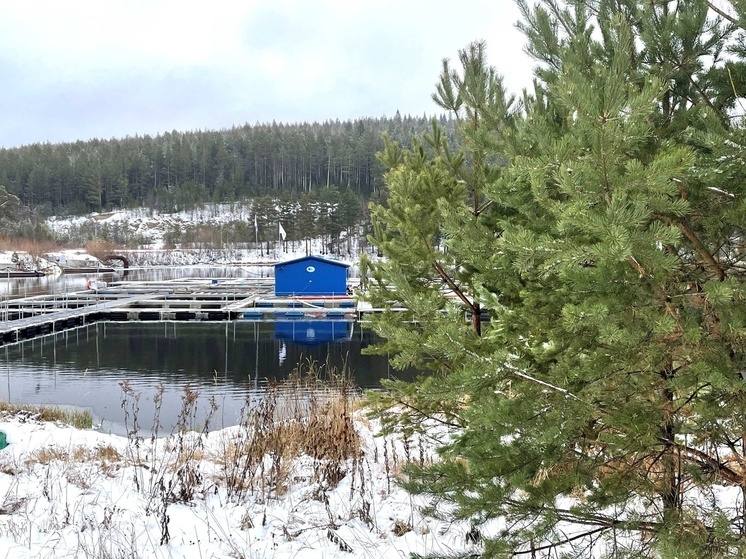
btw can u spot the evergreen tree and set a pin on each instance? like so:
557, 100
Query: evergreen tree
306, 219
603, 409
349, 215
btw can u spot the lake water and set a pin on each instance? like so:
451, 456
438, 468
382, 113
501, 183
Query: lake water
230, 361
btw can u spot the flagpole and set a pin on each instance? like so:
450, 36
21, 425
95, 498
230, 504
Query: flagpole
279, 234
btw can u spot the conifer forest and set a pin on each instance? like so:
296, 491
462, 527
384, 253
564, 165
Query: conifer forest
181, 170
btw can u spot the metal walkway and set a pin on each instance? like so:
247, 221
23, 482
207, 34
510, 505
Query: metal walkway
46, 321
29, 317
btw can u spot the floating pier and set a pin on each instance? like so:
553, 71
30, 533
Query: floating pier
173, 300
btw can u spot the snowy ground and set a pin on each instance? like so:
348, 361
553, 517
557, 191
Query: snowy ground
81, 493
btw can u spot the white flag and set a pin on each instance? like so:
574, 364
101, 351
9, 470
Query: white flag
282, 232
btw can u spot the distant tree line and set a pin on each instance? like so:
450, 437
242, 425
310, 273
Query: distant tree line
183, 170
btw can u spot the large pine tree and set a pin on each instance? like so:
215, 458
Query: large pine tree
599, 223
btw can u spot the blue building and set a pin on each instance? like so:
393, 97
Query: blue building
311, 275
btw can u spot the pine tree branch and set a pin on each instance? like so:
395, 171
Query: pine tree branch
701, 92
600, 520
705, 459
701, 250
551, 387
693, 395
534, 549
721, 192
455, 288
699, 247
636, 265
721, 13
604, 523
516, 373
422, 413
484, 206
698, 456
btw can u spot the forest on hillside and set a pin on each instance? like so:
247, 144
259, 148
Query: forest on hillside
177, 171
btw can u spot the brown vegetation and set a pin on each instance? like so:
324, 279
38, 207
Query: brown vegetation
101, 249
20, 244
307, 415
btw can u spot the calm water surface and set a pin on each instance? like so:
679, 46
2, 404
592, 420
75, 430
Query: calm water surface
230, 361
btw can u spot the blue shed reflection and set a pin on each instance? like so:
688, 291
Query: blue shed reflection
313, 332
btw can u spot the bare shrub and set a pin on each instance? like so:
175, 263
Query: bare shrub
168, 470
101, 248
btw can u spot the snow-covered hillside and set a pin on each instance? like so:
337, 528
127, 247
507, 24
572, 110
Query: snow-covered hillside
149, 224
151, 227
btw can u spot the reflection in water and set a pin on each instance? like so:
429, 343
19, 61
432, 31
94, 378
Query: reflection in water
230, 361
313, 332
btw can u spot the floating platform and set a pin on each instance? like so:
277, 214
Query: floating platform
87, 270
11, 274
174, 300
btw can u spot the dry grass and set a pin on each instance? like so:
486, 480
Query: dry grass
329, 433
80, 419
300, 430
46, 456
185, 457
307, 415
77, 462
108, 453
104, 455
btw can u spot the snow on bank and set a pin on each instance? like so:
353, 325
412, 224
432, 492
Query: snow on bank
81, 493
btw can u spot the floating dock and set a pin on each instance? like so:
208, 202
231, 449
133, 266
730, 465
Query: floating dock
173, 300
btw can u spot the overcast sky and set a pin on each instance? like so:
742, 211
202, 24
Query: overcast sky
107, 69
